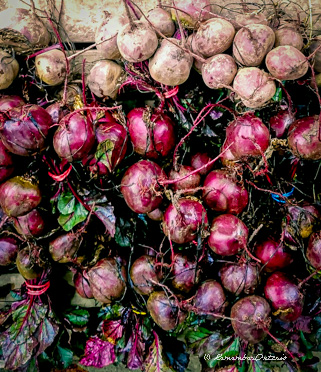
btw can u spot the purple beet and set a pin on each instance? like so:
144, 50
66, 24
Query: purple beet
82, 285
210, 298
186, 273
6, 163
8, 251
29, 225
64, 247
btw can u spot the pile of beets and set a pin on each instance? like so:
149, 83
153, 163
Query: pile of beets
173, 188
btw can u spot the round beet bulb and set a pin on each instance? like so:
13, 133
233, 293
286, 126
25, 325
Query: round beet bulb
25, 130
145, 275
64, 247
285, 297
228, 235
210, 298
9, 102
272, 255
8, 251
140, 186
82, 285
280, 122
302, 220
27, 265
190, 182
164, 311
250, 315
200, 159
184, 220
152, 135
30, 225
313, 252
240, 277
186, 273
19, 196
107, 280
223, 194
74, 137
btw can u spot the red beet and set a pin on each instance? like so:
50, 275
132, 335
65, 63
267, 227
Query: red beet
9, 102
29, 225
250, 316
156, 215
144, 274
107, 280
164, 311
82, 285
25, 129
303, 138
186, 273
248, 136
272, 255
140, 187
56, 112
280, 122
6, 163
285, 296
198, 160
64, 247
313, 252
112, 147
240, 277
190, 182
19, 196
210, 298
184, 220
74, 138
8, 251
152, 135
27, 264
223, 194
228, 235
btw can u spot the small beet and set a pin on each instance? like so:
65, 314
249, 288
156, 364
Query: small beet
210, 298
189, 183
186, 273
82, 285
27, 265
313, 252
164, 311
64, 247
8, 251
30, 225
199, 159
250, 316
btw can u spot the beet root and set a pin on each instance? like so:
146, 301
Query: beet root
186, 273
8, 251
313, 252
210, 298
164, 311
82, 285
285, 296
250, 316
64, 247
29, 225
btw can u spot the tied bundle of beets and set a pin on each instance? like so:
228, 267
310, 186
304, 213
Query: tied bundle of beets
166, 201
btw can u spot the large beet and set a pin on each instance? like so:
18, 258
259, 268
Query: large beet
223, 194
164, 311
250, 316
228, 235
29, 225
152, 135
285, 296
74, 138
64, 247
184, 220
140, 187
8, 251
240, 277
24, 129
272, 255
19, 196
107, 280
144, 274
6, 163
186, 273
210, 298
313, 252
303, 138
248, 136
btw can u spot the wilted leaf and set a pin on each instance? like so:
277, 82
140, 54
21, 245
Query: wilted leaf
112, 330
79, 214
98, 353
156, 360
48, 330
107, 217
104, 153
135, 356
123, 233
66, 203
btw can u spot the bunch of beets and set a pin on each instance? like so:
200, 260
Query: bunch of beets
166, 202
